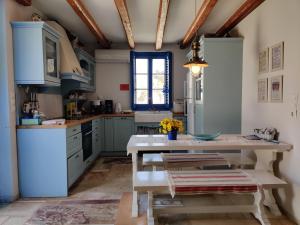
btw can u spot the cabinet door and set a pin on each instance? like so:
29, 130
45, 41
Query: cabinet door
123, 129
108, 134
51, 57
75, 167
102, 136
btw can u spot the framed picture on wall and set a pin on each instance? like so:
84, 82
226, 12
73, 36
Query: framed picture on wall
277, 57
262, 90
276, 91
263, 61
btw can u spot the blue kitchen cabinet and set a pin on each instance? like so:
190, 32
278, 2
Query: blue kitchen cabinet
36, 54
88, 66
123, 129
102, 134
75, 167
98, 134
42, 162
49, 160
108, 134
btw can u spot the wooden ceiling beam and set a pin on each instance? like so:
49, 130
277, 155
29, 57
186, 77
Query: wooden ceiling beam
124, 15
203, 13
24, 2
87, 18
238, 16
161, 23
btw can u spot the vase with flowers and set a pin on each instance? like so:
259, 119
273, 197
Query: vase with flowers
171, 127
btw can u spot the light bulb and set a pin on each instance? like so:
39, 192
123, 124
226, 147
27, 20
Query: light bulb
195, 70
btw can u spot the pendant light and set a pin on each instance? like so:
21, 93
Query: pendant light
196, 63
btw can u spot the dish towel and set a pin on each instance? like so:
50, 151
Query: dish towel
213, 181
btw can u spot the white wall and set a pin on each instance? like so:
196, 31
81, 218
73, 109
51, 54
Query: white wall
275, 21
109, 76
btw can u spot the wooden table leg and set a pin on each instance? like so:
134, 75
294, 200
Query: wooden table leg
150, 217
265, 161
259, 208
135, 206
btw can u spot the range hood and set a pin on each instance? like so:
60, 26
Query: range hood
69, 65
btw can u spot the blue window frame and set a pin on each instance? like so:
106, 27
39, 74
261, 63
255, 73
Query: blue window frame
151, 80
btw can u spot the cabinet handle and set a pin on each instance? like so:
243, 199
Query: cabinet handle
74, 130
123, 118
77, 156
75, 138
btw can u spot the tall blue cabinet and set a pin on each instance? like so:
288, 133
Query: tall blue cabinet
36, 53
215, 97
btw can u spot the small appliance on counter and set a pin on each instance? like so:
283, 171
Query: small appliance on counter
97, 107
118, 107
109, 107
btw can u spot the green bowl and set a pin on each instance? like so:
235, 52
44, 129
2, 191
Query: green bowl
207, 137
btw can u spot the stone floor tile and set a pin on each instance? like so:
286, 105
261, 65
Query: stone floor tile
16, 220
3, 219
20, 209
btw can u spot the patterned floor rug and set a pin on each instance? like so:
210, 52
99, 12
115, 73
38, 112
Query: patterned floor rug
76, 212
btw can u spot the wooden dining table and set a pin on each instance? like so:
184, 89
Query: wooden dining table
266, 153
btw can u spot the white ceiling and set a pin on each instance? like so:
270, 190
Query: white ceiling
143, 16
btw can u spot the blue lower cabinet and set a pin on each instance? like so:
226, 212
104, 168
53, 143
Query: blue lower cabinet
49, 161
75, 167
42, 162
123, 129
102, 134
108, 134
98, 130
117, 132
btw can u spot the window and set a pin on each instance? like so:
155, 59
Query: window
151, 80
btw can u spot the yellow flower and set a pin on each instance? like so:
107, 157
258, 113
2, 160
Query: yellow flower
168, 124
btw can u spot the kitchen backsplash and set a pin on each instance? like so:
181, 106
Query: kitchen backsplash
51, 104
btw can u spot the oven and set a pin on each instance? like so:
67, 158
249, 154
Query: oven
87, 139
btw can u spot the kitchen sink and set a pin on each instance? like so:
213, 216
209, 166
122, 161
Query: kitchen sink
151, 116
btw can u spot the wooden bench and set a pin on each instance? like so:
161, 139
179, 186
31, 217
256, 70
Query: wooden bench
156, 183
232, 160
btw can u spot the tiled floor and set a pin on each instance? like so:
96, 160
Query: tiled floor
109, 180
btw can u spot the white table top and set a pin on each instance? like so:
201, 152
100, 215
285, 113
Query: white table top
186, 142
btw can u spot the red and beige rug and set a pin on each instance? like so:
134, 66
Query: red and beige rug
76, 212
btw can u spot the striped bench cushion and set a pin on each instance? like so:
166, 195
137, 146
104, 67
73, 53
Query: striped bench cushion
193, 159
205, 181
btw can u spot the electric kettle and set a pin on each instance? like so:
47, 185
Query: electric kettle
118, 108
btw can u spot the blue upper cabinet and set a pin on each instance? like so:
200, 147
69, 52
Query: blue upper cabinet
88, 66
36, 53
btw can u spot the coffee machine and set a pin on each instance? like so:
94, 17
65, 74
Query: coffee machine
109, 106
